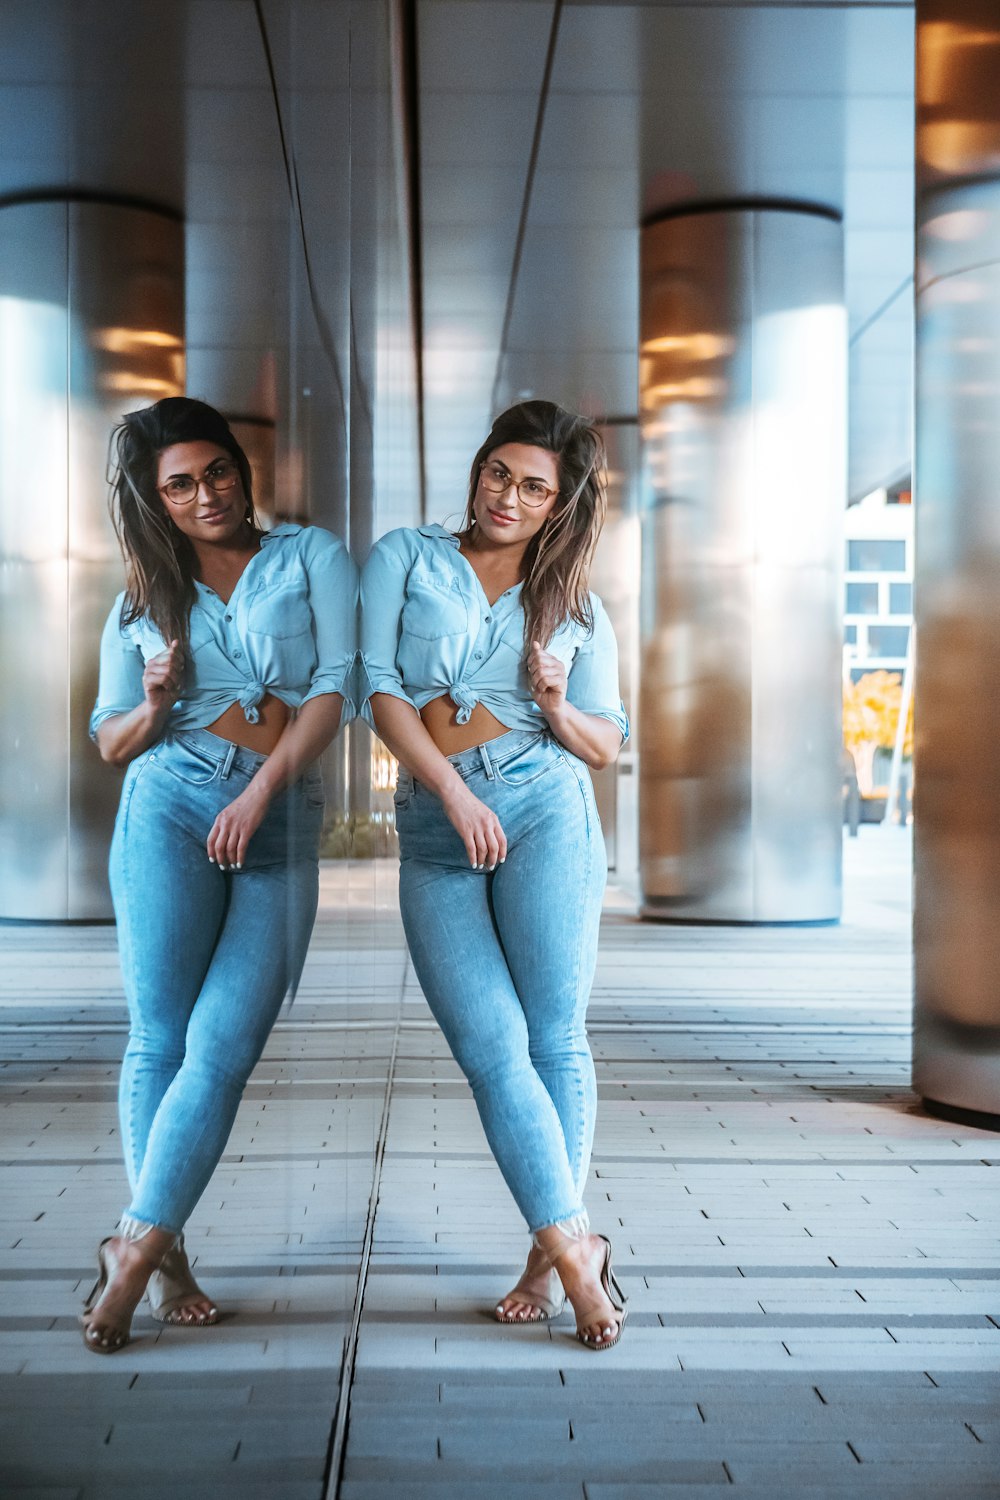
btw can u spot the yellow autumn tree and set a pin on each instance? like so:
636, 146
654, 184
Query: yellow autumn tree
871, 714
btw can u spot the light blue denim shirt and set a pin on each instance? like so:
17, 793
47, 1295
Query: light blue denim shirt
288, 629
428, 629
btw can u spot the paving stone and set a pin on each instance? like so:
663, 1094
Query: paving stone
800, 1246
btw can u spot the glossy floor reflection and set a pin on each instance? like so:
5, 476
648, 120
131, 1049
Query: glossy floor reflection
812, 1261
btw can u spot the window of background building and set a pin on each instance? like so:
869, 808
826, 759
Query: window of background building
850, 635
900, 598
862, 599
871, 555
888, 640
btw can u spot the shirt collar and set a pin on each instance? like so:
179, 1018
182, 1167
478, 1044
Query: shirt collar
440, 534
287, 528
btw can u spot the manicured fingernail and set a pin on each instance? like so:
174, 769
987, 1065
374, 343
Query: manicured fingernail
211, 860
239, 867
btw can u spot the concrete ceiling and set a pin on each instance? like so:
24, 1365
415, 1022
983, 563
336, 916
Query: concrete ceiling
646, 104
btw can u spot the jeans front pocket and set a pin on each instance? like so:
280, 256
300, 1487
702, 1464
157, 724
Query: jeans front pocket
187, 763
403, 794
529, 762
312, 788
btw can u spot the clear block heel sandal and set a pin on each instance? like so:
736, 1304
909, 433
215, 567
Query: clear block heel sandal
106, 1332
559, 1239
172, 1288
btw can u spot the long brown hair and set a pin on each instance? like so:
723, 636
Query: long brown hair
557, 561
160, 562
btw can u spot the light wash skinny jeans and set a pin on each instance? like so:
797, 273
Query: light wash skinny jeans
207, 956
506, 960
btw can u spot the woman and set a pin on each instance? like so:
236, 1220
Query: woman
223, 670
493, 678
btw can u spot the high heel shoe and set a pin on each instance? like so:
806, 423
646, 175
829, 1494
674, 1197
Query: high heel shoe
172, 1288
526, 1292
106, 1332
611, 1287
573, 1232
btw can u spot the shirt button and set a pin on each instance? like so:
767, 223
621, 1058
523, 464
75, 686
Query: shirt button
479, 656
237, 654
488, 618
229, 617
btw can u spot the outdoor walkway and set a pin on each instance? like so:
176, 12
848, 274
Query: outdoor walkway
811, 1261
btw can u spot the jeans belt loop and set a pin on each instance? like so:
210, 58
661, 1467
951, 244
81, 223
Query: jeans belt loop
484, 756
227, 764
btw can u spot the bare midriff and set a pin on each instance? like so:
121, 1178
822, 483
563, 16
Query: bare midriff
440, 718
234, 726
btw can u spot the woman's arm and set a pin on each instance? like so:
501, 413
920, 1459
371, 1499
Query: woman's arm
403, 731
302, 741
594, 739
122, 737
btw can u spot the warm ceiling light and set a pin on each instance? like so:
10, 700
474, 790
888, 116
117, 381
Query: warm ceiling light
938, 42
139, 385
690, 345
695, 389
134, 340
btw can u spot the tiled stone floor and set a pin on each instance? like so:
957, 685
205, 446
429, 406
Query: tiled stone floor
811, 1260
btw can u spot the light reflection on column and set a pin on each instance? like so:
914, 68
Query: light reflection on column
957, 581
742, 380
91, 325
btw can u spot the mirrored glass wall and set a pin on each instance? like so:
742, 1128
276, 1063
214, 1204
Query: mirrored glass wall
209, 199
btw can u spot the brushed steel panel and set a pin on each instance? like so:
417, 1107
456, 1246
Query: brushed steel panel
34, 707
956, 1049
743, 379
34, 730
91, 324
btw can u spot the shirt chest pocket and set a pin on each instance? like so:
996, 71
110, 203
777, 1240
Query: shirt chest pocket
562, 644
280, 609
199, 632
433, 607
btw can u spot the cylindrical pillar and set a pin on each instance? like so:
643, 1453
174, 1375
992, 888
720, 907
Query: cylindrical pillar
957, 579
91, 326
742, 385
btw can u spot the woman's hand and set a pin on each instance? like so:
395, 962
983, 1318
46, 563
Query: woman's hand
547, 675
477, 826
161, 680
124, 736
235, 826
595, 740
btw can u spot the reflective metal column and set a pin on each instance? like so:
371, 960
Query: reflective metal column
957, 583
91, 325
742, 383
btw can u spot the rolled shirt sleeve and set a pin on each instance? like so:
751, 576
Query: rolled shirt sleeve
592, 686
383, 587
120, 685
333, 598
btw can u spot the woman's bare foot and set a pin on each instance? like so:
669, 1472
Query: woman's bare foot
580, 1263
538, 1296
125, 1271
174, 1295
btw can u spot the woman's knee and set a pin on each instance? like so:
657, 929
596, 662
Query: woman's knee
156, 1042
497, 1073
557, 1045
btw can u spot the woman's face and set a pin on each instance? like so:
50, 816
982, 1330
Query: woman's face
516, 492
201, 490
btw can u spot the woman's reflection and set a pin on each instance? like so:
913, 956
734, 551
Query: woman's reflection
224, 675
493, 677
